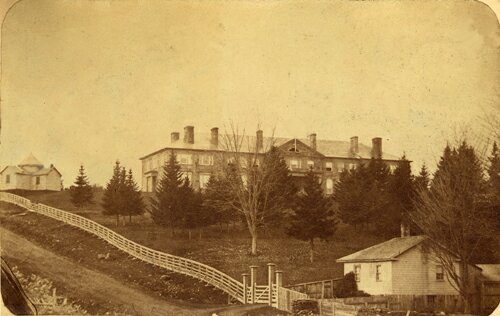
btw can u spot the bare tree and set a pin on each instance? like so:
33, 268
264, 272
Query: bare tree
457, 216
250, 180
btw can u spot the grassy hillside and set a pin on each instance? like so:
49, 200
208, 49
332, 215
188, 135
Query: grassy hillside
228, 251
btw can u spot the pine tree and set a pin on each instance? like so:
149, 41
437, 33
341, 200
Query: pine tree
313, 217
134, 202
81, 193
422, 181
377, 196
214, 203
113, 198
280, 196
349, 196
192, 217
402, 191
167, 204
494, 171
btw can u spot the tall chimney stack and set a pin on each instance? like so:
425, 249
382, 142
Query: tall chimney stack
377, 148
189, 134
260, 140
174, 136
354, 145
312, 141
214, 137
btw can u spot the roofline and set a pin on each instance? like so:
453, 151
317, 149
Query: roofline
223, 151
365, 260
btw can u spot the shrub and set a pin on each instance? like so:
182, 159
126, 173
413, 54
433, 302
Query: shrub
347, 287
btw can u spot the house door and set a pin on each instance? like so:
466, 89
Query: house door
153, 187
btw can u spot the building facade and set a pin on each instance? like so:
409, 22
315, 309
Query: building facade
197, 154
30, 174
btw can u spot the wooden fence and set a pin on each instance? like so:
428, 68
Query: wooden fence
177, 264
272, 293
317, 289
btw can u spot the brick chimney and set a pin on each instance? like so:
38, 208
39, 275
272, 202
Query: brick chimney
214, 137
312, 141
260, 140
189, 134
174, 136
377, 148
354, 145
405, 230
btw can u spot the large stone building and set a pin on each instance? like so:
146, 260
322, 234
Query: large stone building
197, 153
30, 174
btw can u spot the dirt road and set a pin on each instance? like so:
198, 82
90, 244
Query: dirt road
88, 283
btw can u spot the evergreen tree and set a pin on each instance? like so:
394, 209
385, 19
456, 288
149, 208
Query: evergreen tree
313, 217
402, 192
349, 196
192, 216
113, 198
167, 204
422, 181
377, 197
494, 171
280, 196
81, 193
216, 209
134, 202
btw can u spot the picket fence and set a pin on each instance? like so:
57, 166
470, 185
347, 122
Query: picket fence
272, 294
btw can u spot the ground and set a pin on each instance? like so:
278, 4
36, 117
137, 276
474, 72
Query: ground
229, 251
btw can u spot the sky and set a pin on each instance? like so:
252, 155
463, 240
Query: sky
90, 82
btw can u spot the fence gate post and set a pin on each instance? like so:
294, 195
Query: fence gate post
279, 283
270, 276
253, 275
245, 288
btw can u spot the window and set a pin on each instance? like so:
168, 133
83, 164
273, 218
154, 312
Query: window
189, 175
206, 160
439, 273
294, 164
329, 166
310, 164
150, 164
352, 166
340, 167
7, 178
329, 186
204, 180
378, 272
357, 271
37, 180
184, 159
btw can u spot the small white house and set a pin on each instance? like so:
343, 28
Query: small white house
400, 266
30, 174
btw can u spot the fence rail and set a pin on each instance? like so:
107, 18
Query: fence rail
177, 264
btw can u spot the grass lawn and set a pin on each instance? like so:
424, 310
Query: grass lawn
228, 251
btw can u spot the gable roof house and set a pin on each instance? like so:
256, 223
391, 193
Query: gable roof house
403, 266
30, 174
195, 153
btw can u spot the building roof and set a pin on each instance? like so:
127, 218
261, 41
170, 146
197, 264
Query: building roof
386, 251
328, 148
30, 161
491, 272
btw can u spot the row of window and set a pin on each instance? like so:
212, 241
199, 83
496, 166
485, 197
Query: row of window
7, 179
378, 273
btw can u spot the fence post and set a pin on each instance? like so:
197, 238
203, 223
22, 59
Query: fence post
279, 283
253, 275
270, 276
245, 288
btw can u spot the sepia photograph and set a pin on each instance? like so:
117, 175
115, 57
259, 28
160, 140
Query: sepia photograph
247, 158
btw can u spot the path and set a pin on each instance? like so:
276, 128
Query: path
89, 283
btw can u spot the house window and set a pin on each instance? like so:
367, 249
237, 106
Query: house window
378, 272
329, 186
329, 166
7, 178
206, 160
357, 270
340, 167
439, 273
184, 159
294, 164
189, 175
310, 164
204, 180
352, 166
37, 180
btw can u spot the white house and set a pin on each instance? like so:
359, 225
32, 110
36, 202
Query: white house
30, 174
400, 266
